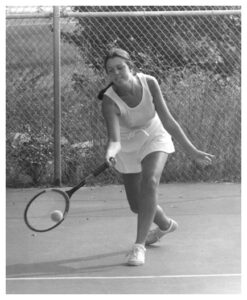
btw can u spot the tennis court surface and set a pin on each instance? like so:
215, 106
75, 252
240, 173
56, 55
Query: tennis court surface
86, 253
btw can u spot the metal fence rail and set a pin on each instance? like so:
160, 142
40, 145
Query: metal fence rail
195, 55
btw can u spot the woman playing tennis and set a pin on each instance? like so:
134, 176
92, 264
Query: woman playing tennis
140, 127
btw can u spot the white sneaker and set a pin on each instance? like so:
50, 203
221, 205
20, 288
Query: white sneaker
136, 257
156, 234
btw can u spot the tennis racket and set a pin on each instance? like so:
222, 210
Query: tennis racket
40, 210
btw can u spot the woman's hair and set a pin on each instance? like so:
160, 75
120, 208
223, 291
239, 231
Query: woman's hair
112, 53
101, 93
118, 52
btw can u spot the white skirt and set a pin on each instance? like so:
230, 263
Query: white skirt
138, 143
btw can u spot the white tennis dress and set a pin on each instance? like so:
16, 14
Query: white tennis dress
141, 130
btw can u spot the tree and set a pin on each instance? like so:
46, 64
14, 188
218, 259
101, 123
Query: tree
159, 43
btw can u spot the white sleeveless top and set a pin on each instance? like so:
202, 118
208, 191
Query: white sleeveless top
138, 116
139, 123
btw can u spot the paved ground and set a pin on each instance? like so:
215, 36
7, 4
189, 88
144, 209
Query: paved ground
86, 254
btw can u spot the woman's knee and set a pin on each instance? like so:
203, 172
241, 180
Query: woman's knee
150, 182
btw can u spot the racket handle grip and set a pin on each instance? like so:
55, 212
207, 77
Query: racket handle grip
100, 169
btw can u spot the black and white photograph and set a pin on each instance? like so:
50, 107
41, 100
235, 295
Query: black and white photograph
123, 159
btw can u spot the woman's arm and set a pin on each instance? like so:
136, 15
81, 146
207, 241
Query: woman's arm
172, 126
111, 115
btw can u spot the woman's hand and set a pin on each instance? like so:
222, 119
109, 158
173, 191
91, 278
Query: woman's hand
111, 162
202, 158
111, 152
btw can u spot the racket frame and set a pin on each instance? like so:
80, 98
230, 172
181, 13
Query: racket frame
65, 212
66, 194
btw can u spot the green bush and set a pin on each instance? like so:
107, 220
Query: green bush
30, 154
209, 110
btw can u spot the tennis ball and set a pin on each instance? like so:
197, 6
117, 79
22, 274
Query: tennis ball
56, 215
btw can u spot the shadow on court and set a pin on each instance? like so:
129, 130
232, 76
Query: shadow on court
70, 266
86, 254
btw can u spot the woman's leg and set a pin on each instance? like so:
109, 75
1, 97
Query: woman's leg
152, 167
132, 188
132, 184
161, 219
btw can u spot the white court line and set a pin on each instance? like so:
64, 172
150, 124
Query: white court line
122, 277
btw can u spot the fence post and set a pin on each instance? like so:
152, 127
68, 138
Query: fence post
57, 96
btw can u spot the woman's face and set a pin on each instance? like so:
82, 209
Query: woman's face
118, 70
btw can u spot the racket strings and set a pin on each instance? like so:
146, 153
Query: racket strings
38, 214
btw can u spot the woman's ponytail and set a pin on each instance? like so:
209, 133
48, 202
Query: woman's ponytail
101, 93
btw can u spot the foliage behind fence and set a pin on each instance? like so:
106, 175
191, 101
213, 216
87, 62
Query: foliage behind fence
196, 59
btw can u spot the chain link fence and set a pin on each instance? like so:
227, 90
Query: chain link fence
193, 52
